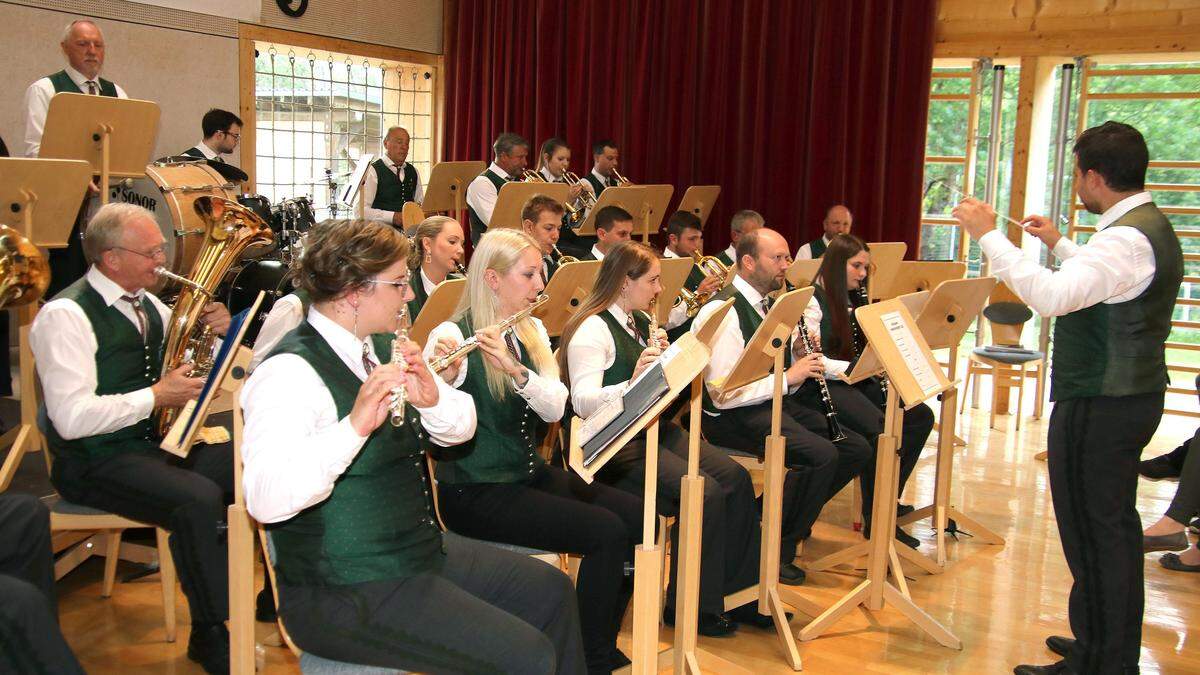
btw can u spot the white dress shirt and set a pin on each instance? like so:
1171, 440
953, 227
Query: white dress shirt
546, 396
805, 252
591, 352
64, 346
426, 283
812, 323
481, 194
371, 185
208, 152
37, 104
596, 252
678, 314
728, 348
285, 314
1115, 265
731, 252
295, 447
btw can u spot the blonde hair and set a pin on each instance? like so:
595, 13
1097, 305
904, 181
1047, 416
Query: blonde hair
499, 250
429, 228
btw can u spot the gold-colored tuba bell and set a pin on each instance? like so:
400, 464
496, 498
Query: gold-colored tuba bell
24, 271
229, 229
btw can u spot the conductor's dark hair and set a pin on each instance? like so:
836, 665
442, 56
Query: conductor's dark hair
1117, 152
218, 120
599, 146
609, 215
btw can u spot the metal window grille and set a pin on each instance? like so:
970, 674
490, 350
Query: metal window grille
317, 112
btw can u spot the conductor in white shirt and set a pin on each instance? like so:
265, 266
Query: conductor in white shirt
99, 428
1114, 297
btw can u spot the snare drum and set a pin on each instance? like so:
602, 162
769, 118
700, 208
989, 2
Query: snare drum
168, 191
270, 276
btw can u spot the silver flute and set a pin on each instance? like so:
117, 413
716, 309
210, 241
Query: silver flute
399, 394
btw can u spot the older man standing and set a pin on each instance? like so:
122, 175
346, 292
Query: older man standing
392, 181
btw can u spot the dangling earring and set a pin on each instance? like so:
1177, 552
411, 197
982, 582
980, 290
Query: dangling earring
356, 324
428, 258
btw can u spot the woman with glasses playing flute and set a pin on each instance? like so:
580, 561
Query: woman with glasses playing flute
503, 490
364, 574
607, 343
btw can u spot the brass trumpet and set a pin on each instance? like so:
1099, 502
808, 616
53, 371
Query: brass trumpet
622, 181
563, 259
530, 176
712, 267
440, 363
586, 199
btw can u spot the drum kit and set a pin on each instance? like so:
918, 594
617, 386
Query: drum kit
169, 191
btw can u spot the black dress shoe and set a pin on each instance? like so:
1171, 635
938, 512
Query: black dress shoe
1059, 668
710, 625
1060, 645
264, 607
1172, 561
618, 659
748, 614
907, 539
904, 509
1163, 467
790, 575
208, 645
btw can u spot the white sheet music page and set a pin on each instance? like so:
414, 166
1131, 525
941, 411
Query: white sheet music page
910, 351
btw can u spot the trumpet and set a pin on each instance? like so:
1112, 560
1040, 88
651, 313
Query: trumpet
622, 181
399, 394
531, 176
440, 363
563, 259
712, 267
586, 199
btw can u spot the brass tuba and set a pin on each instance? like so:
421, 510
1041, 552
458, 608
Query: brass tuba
229, 229
712, 267
24, 271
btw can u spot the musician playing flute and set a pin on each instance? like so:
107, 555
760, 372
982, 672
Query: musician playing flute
503, 490
364, 573
608, 343
818, 467
830, 314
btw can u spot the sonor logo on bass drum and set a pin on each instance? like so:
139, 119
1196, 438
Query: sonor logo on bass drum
128, 196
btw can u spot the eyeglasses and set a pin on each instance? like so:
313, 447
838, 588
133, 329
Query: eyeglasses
236, 137
398, 284
155, 253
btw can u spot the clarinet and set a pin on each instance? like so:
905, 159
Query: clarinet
860, 340
835, 428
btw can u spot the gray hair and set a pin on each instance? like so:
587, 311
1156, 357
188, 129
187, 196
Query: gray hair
740, 218
507, 142
391, 129
71, 26
106, 228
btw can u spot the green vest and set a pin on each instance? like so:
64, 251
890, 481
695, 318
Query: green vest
377, 523
1117, 349
124, 363
506, 439
419, 295
724, 258
63, 83
629, 350
478, 227
748, 322
597, 184
817, 247
392, 193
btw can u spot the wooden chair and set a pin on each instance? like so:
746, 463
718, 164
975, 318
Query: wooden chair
105, 528
1007, 368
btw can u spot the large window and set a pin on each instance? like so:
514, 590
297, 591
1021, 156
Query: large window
318, 111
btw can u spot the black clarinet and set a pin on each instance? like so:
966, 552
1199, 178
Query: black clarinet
860, 340
835, 428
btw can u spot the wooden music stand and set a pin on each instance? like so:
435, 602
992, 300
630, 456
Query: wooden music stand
438, 307
446, 191
699, 200
674, 275
631, 198
802, 272
653, 210
680, 369
885, 262
38, 198
922, 275
512, 197
914, 375
114, 135
943, 321
568, 288
764, 357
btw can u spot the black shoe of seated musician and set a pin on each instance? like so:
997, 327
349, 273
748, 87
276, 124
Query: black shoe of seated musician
904, 509
791, 575
1163, 467
1059, 668
748, 615
208, 645
618, 660
1060, 644
901, 536
709, 625
264, 607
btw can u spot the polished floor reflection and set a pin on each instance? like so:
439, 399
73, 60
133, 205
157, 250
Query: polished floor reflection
1001, 601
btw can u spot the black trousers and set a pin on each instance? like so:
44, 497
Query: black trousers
186, 497
817, 467
917, 425
1093, 450
1186, 503
485, 610
68, 264
30, 639
558, 511
729, 549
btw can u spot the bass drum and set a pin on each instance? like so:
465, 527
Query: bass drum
169, 191
269, 276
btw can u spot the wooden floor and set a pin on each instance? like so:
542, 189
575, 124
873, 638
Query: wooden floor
1002, 601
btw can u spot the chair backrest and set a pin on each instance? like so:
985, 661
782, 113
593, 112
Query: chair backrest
1006, 320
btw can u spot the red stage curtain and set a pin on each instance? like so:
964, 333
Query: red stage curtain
788, 105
